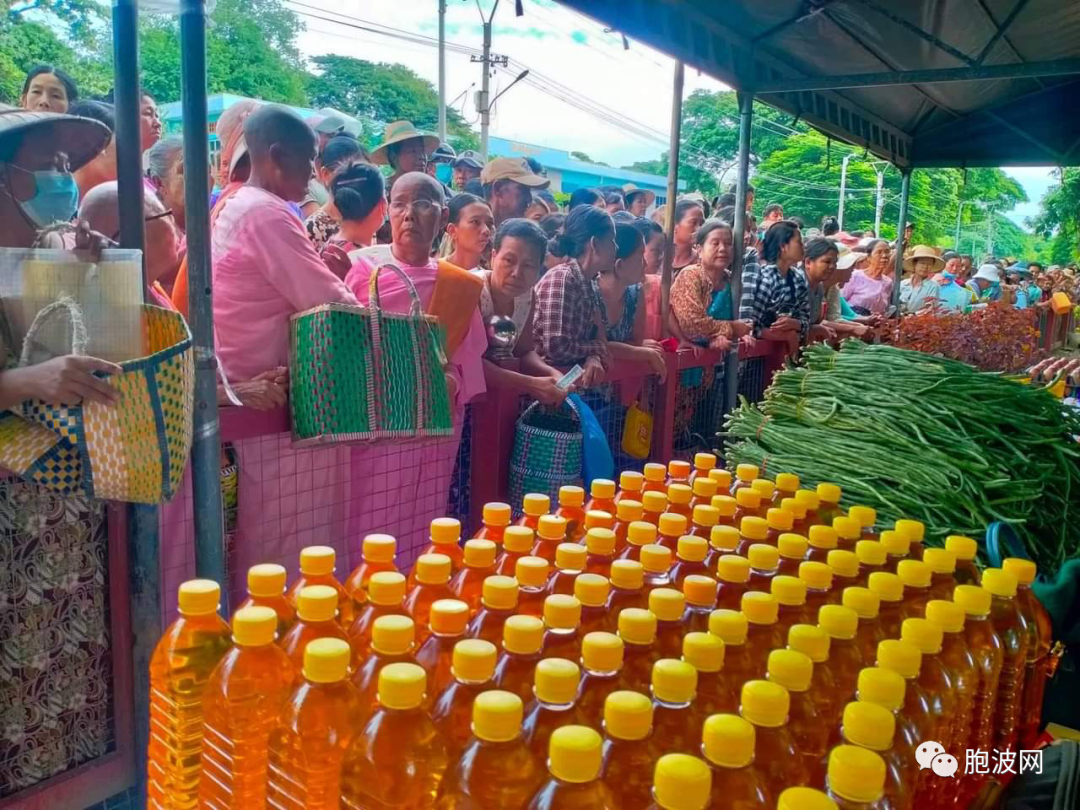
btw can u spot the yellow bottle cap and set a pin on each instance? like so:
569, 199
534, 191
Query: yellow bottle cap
730, 626
198, 597
531, 572
900, 656
791, 505
496, 716
523, 635
535, 504
865, 515
825, 537
760, 607
556, 680
746, 472
732, 568
787, 482
681, 782
500, 593
379, 548
562, 612
869, 725
445, 530
791, 669
753, 528
496, 514
924, 634
914, 529
848, 528
600, 541
449, 617
602, 652
667, 604
949, 615
317, 560
254, 626
882, 686
998, 582
654, 501
479, 553
1023, 570
603, 488
704, 461
804, 798
627, 715
692, 548
266, 579
551, 527
914, 573
863, 601
963, 547
843, 563
574, 754
816, 575
722, 478
655, 472
896, 544
856, 774
631, 481
763, 557
318, 603
763, 488
748, 499
789, 591
679, 468
431, 569
724, 538
640, 533
780, 519
808, 499
656, 559
518, 539
673, 524
326, 660
838, 621
704, 488
724, 504
973, 599
570, 556
888, 587
764, 703
871, 552
473, 660
571, 496
393, 634
811, 641
592, 589
699, 590
637, 626
401, 686
629, 511
792, 546
728, 741
703, 651
940, 560
829, 493
627, 574
598, 519
673, 681
705, 515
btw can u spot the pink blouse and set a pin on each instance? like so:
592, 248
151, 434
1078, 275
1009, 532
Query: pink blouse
872, 294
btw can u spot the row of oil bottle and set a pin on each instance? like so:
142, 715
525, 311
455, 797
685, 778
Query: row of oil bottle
371, 696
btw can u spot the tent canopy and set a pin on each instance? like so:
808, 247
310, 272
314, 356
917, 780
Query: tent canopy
919, 83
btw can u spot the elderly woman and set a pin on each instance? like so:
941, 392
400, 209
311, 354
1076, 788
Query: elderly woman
774, 296
870, 290
165, 170
919, 290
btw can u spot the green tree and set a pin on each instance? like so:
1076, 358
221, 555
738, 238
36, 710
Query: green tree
1059, 216
584, 158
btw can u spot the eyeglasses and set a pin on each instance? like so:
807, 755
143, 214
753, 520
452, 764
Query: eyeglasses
419, 208
116, 236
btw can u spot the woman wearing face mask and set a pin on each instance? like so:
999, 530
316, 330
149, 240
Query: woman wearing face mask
952, 295
469, 227
870, 290
919, 290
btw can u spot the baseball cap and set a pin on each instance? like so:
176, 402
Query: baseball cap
468, 158
512, 169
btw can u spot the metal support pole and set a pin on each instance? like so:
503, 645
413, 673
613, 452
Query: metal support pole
880, 201
843, 189
672, 193
959, 213
128, 97
485, 92
905, 189
990, 232
206, 444
742, 181
442, 70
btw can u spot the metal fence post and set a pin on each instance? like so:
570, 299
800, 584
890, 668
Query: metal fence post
672, 193
742, 181
905, 189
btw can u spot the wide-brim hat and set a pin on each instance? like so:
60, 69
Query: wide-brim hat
398, 132
846, 257
923, 252
989, 272
83, 139
629, 190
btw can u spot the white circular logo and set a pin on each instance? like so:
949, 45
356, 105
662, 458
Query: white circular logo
944, 765
926, 752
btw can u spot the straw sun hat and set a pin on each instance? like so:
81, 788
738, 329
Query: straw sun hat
923, 252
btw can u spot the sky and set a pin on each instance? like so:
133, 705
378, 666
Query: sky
573, 63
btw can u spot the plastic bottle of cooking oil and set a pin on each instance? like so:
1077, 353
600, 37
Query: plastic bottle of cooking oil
572, 510
872, 557
745, 475
317, 609
627, 590
496, 768
551, 531
602, 492
830, 495
656, 560
678, 472
601, 663
866, 517
592, 591
674, 684
766, 489
780, 521
705, 653
183, 659
393, 641
570, 561
704, 519
794, 671
671, 527
532, 575
936, 684
445, 539
799, 523
819, 586
814, 643
845, 568
689, 558
598, 519
704, 464
669, 607
554, 703
681, 782
386, 596
904, 658
915, 574
700, 594
965, 549
638, 534
523, 636
722, 478
378, 555
600, 545
856, 779
575, 756
731, 627
479, 563
733, 576
518, 542
241, 704
653, 505
811, 501
866, 605
1040, 637
890, 593
266, 588
726, 506
790, 594
887, 688
787, 484
915, 532
792, 550
655, 478
752, 529
873, 727
628, 749
496, 517
727, 742
630, 484
431, 575
637, 629
722, 540
1012, 629
534, 506
562, 625
317, 568
498, 603
942, 564
473, 669
318, 723
764, 634
399, 759
764, 564
897, 546
845, 660
449, 619
704, 490
821, 540
804, 798
766, 705
627, 512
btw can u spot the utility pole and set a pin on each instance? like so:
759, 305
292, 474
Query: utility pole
880, 203
843, 188
990, 232
483, 98
442, 71
959, 211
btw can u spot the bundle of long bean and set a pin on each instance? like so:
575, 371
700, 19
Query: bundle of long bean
923, 437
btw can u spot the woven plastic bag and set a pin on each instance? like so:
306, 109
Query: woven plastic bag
547, 451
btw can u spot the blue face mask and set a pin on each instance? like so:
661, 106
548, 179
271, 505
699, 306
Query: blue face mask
444, 172
945, 274
56, 198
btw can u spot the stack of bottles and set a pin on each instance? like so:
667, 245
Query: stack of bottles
688, 639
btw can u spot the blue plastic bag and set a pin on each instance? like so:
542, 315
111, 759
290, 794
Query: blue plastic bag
596, 458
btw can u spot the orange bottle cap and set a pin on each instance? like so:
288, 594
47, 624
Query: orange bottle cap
627, 574
731, 568
531, 572
602, 488
629, 511
570, 556
730, 626
640, 533
500, 593
317, 560
699, 590
431, 569
667, 604
760, 607
534, 504
679, 469
843, 563
705, 515
792, 546
496, 514
449, 617
592, 590
763, 557
724, 538
692, 548
379, 548
789, 591
479, 553
571, 496
518, 539
724, 504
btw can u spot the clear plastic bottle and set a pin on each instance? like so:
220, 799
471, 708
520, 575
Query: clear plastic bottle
866, 517
628, 750
819, 587
700, 594
431, 582
445, 539
317, 610
1012, 629
1040, 639
915, 574
575, 757
766, 705
656, 560
704, 464
731, 627
822, 539
569, 562
637, 629
602, 496
764, 565
939, 689
386, 597
496, 517
638, 535
601, 664
887, 688
866, 605
393, 641
722, 540
188, 651
449, 620
600, 545
814, 643
266, 587
942, 564
681, 782
745, 475
523, 637
518, 542
676, 727
722, 478
241, 704
554, 703
915, 532
845, 660
856, 779
318, 723
794, 671
689, 558
630, 484
780, 521
705, 653
473, 669
627, 512
872, 557
592, 591
497, 604
752, 529
627, 590
790, 595
965, 549
845, 569
830, 495
890, 593
727, 742
653, 504
551, 530
532, 574
679, 497
572, 510
897, 546
733, 576
671, 527
873, 727
478, 563
562, 626
317, 568
378, 555
534, 506
399, 759
669, 607
764, 633
704, 492
792, 550
905, 659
